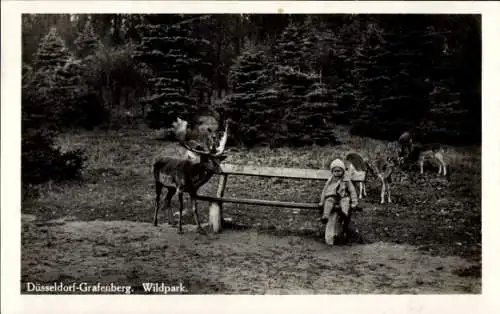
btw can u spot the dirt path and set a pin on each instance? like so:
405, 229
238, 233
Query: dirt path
242, 262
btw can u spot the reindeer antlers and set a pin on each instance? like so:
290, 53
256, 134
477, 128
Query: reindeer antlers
179, 128
222, 143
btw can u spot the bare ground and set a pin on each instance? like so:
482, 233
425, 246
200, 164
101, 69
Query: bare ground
99, 229
233, 262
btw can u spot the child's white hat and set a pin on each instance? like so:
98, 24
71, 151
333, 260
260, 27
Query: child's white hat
337, 163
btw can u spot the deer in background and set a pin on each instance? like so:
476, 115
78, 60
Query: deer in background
382, 166
406, 145
420, 153
187, 175
356, 168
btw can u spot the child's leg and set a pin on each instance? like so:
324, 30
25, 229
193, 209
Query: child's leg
345, 206
346, 230
327, 208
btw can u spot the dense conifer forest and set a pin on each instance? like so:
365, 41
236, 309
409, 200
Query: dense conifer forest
282, 80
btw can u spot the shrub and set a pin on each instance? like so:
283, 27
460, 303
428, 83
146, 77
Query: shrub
41, 161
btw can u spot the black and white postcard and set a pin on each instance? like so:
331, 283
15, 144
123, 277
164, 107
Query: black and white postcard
170, 156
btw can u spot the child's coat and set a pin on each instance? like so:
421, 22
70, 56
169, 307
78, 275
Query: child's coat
340, 193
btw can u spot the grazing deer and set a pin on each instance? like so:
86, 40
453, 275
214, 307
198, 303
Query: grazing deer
424, 152
412, 153
356, 168
406, 145
187, 175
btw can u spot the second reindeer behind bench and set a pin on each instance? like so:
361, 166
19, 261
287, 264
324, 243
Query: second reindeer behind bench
187, 175
356, 168
383, 167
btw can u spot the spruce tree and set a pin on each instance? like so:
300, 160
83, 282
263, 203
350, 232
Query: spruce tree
51, 77
321, 114
305, 110
52, 51
344, 41
449, 119
47, 90
292, 90
175, 53
252, 104
393, 78
92, 67
87, 42
295, 47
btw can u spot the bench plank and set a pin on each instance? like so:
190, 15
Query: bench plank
258, 202
311, 174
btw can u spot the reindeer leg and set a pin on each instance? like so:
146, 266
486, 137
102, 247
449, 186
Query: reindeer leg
168, 198
364, 188
195, 214
421, 166
181, 206
360, 190
389, 193
159, 187
442, 165
382, 192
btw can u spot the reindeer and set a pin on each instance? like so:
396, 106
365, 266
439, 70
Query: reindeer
187, 175
382, 166
412, 153
421, 153
356, 168
204, 128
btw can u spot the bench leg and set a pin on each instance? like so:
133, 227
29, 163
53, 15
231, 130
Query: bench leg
215, 214
215, 208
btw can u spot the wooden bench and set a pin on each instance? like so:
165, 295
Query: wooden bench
215, 207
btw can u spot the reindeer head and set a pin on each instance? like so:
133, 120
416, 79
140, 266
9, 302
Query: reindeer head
212, 163
403, 155
210, 150
383, 157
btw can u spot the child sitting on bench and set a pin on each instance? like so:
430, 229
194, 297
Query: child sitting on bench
338, 193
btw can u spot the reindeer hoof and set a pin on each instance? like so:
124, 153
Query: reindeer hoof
201, 230
180, 232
